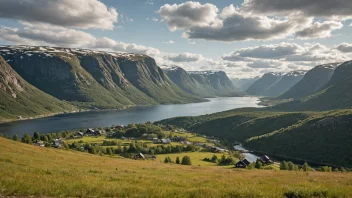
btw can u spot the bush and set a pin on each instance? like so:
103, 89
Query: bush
26, 139
258, 164
167, 160
214, 158
186, 160
177, 160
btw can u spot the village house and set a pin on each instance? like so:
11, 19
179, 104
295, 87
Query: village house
200, 144
265, 160
217, 149
91, 132
39, 143
151, 136
139, 156
242, 163
155, 140
120, 127
80, 134
57, 143
185, 142
166, 141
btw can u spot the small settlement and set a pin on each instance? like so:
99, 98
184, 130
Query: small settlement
265, 160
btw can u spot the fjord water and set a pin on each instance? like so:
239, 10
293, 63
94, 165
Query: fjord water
124, 117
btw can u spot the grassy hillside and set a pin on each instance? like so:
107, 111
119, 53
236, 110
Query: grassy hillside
19, 98
323, 137
285, 83
336, 94
27, 170
311, 82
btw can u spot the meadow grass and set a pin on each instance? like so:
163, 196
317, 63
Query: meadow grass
26, 170
196, 157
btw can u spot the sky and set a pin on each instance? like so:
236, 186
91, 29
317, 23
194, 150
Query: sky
244, 38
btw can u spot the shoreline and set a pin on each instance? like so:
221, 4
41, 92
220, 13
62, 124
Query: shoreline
73, 112
89, 110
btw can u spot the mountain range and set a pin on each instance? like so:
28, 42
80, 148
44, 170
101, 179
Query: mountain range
311, 82
80, 79
20, 98
260, 86
204, 84
244, 83
335, 94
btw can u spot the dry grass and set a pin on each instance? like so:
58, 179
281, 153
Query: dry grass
28, 170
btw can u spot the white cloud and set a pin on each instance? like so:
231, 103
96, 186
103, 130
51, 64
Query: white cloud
82, 14
317, 8
185, 57
237, 26
264, 64
124, 19
277, 51
285, 57
65, 37
188, 14
287, 52
319, 30
203, 21
344, 47
169, 42
47, 34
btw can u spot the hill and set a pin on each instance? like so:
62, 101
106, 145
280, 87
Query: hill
244, 83
322, 137
19, 98
312, 81
264, 83
26, 170
336, 94
93, 79
202, 84
286, 82
218, 81
187, 83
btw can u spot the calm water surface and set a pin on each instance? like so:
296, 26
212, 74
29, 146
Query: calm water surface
124, 117
249, 156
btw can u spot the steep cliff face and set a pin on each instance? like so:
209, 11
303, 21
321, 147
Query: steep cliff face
217, 81
188, 83
58, 72
336, 94
286, 82
264, 83
312, 81
94, 79
105, 69
144, 74
19, 98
